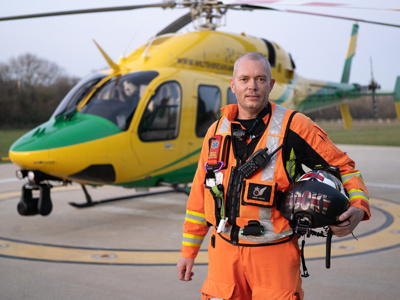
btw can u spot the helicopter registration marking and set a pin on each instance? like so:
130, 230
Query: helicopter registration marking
205, 64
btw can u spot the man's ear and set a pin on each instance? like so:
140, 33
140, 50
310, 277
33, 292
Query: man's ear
232, 85
271, 83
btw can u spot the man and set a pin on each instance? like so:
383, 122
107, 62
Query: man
253, 253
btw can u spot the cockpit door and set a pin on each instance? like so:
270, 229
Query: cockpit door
158, 143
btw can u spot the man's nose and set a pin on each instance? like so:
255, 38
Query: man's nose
252, 85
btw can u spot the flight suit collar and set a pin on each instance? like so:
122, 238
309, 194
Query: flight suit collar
231, 112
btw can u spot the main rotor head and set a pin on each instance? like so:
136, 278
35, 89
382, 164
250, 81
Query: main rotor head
207, 14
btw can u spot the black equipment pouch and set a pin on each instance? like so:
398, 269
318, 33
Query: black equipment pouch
253, 228
233, 196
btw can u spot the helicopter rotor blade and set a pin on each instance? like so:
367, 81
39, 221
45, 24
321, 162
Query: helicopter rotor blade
260, 7
88, 11
341, 17
184, 20
177, 24
283, 3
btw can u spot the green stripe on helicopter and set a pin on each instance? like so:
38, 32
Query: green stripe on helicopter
181, 175
81, 128
184, 174
328, 95
284, 96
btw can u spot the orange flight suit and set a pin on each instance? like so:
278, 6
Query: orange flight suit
241, 273
264, 266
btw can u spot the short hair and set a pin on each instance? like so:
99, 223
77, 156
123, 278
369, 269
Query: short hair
254, 56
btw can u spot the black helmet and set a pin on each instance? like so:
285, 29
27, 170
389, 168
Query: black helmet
316, 200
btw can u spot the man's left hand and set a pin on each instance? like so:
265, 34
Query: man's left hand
353, 216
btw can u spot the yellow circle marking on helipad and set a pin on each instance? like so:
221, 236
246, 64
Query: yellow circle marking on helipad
52, 253
384, 239
388, 237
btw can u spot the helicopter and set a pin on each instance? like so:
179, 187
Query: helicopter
141, 122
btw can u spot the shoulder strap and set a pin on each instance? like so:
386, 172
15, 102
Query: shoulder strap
216, 127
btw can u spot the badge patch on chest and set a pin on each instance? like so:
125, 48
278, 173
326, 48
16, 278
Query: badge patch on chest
259, 192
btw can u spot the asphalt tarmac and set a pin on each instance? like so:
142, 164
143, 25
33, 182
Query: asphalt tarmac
129, 249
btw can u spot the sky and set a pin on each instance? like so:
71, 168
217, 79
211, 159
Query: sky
318, 45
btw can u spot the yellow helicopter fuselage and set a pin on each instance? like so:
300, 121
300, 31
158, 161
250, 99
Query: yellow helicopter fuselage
191, 60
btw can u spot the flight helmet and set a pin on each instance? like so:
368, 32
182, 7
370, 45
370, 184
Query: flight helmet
317, 199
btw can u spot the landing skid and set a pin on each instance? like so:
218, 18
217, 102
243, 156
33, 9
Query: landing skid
89, 202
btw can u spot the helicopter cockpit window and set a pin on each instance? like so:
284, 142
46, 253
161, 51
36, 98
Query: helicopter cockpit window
231, 97
117, 99
208, 108
160, 120
77, 93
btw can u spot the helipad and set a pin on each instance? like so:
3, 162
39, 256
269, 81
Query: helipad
386, 236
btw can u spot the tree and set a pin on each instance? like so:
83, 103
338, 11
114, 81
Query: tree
32, 71
30, 90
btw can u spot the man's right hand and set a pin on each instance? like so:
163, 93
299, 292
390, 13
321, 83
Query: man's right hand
185, 266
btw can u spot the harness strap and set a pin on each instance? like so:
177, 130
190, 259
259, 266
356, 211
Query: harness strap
215, 149
212, 163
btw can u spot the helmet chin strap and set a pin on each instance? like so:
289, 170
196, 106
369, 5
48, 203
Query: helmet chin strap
303, 261
329, 243
302, 229
308, 232
328, 248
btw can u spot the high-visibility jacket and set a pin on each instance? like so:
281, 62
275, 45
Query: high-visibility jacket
303, 140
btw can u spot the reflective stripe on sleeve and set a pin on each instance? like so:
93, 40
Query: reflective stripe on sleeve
355, 193
192, 240
351, 175
195, 217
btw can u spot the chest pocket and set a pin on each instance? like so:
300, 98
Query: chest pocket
258, 194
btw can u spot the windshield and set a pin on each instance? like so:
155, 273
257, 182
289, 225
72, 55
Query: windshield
118, 98
78, 92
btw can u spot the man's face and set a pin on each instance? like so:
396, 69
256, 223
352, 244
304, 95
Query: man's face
251, 86
129, 88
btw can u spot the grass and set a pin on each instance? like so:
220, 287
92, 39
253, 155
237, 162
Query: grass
369, 132
7, 137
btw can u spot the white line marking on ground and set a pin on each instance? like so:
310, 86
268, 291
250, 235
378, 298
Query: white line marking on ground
383, 185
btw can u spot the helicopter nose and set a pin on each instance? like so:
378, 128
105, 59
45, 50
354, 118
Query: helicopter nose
34, 147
